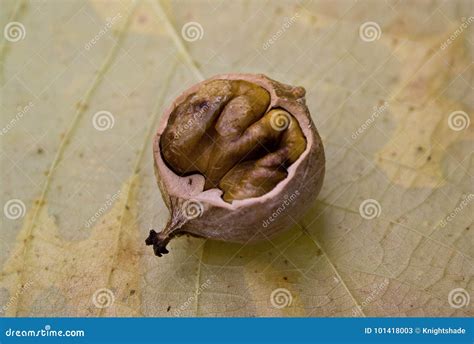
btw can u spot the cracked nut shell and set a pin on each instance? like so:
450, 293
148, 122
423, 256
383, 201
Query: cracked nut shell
238, 159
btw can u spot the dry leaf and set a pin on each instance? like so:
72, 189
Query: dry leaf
389, 85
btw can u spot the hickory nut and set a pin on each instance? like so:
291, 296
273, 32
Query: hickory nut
232, 153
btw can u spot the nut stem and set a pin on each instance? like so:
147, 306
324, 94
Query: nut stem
159, 242
172, 229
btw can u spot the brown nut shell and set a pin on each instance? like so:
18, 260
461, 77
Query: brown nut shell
204, 213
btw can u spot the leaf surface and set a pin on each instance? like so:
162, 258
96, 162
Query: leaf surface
90, 196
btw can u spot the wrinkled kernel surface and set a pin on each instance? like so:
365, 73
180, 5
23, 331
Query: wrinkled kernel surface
224, 132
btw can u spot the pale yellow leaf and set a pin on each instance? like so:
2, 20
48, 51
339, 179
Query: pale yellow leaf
90, 196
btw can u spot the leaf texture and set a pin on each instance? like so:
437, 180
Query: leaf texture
89, 196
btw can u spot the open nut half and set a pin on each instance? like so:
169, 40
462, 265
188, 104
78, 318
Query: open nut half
229, 153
